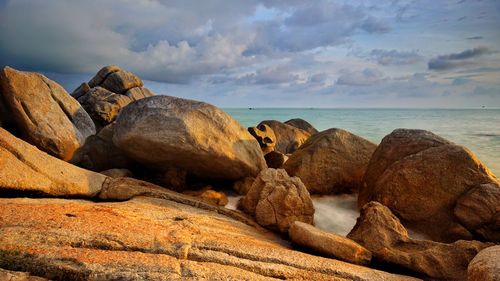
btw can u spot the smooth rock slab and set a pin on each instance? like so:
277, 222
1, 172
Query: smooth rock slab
152, 239
24, 168
46, 114
329, 244
164, 132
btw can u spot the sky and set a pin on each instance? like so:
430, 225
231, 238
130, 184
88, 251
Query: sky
274, 53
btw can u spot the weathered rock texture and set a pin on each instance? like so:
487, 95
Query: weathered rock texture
288, 138
328, 244
275, 159
163, 131
8, 275
302, 124
333, 161
209, 195
485, 266
24, 168
45, 113
381, 232
264, 136
100, 153
110, 90
277, 200
479, 211
420, 176
151, 239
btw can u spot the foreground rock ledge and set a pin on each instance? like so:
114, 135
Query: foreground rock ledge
153, 239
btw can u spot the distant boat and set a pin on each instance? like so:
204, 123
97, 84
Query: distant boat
483, 106
250, 108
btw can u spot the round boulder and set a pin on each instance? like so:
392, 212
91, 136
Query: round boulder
277, 200
164, 132
332, 161
302, 124
485, 266
420, 176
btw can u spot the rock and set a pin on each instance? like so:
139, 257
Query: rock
332, 161
479, 211
381, 232
99, 153
46, 115
277, 200
121, 81
275, 159
163, 131
24, 169
264, 136
102, 74
420, 177
210, 196
329, 244
288, 138
152, 239
81, 90
102, 105
244, 185
138, 93
303, 125
8, 275
485, 266
117, 173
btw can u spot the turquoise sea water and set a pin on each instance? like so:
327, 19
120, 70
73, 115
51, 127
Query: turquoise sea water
477, 129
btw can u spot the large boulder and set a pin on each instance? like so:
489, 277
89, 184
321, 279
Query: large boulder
99, 152
420, 176
333, 161
288, 138
275, 159
164, 131
46, 115
153, 239
328, 244
110, 90
485, 266
479, 211
26, 170
382, 233
277, 200
302, 124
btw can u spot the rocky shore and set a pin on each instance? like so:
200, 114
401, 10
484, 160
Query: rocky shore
113, 182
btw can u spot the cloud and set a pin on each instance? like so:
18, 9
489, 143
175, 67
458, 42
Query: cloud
366, 77
457, 60
394, 57
475, 38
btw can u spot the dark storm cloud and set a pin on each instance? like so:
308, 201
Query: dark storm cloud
457, 60
170, 41
394, 57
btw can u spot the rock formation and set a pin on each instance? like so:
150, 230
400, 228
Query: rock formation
328, 244
485, 266
110, 90
332, 161
265, 137
44, 113
420, 177
288, 138
275, 159
163, 131
381, 232
277, 200
303, 125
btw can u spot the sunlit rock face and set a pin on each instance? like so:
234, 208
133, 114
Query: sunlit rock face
164, 131
420, 176
331, 162
288, 138
44, 113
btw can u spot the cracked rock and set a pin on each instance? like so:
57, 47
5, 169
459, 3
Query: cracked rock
277, 200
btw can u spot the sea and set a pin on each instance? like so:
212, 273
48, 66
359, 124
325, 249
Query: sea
476, 129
